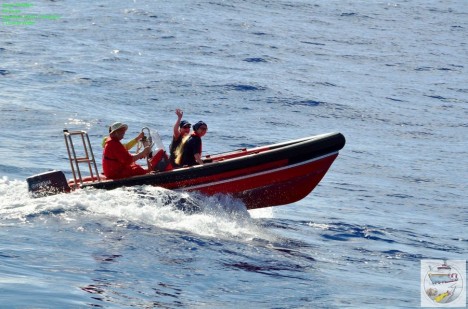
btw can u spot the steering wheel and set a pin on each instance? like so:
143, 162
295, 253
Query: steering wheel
146, 141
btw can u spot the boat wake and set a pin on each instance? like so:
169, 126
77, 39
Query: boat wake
141, 207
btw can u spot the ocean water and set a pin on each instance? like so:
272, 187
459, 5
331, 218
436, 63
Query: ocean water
390, 75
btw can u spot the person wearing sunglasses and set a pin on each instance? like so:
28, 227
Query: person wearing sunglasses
189, 152
181, 130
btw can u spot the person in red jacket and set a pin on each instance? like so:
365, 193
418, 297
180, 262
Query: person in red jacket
117, 162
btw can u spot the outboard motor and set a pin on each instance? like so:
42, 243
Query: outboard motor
48, 183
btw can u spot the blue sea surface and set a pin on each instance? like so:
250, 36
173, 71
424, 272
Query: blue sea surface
391, 76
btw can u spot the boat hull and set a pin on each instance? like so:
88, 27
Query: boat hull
289, 186
265, 176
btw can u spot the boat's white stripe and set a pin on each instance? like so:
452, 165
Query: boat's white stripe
255, 174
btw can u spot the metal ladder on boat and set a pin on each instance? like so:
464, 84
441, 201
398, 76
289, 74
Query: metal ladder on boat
86, 156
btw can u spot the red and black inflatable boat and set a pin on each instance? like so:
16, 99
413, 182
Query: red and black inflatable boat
263, 176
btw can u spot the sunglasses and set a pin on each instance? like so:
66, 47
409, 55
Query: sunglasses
187, 126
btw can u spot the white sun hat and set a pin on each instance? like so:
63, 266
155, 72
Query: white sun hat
116, 126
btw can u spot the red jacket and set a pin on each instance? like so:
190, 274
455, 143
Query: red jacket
117, 162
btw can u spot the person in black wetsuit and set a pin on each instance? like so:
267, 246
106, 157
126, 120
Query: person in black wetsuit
181, 129
189, 152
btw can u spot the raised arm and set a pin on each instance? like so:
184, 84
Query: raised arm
179, 114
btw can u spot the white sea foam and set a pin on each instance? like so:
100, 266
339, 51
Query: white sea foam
215, 216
